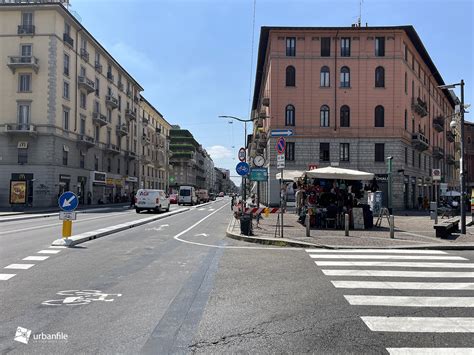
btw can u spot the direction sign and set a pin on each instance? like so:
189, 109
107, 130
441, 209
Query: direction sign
242, 154
281, 145
281, 132
68, 201
242, 168
258, 174
67, 216
436, 174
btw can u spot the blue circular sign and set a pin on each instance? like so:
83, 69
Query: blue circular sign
68, 201
242, 168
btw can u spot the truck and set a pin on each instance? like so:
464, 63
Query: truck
203, 195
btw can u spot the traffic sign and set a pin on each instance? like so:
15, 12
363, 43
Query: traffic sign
68, 201
67, 216
242, 154
280, 161
436, 174
281, 145
242, 168
281, 132
258, 174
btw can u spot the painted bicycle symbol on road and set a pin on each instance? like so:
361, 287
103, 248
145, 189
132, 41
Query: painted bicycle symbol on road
78, 297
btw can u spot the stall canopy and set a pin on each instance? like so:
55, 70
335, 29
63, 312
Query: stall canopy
290, 174
331, 172
452, 193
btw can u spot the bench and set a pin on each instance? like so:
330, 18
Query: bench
445, 228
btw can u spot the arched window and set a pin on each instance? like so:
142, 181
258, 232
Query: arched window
345, 116
345, 77
290, 115
379, 116
290, 76
325, 77
324, 116
379, 77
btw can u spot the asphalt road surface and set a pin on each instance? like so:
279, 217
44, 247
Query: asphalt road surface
178, 285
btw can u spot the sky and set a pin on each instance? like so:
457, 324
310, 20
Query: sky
195, 58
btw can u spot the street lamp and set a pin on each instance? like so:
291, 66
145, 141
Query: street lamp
461, 160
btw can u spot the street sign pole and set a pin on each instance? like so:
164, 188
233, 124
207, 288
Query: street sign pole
281, 201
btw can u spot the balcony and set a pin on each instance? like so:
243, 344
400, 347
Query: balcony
122, 129
99, 118
145, 159
84, 54
438, 153
85, 141
146, 140
129, 93
98, 67
23, 62
145, 121
86, 84
136, 99
450, 159
68, 40
112, 148
26, 29
130, 114
20, 129
450, 136
419, 106
110, 77
120, 86
130, 155
438, 123
419, 141
111, 101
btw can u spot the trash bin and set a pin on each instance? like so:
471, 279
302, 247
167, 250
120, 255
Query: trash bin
246, 224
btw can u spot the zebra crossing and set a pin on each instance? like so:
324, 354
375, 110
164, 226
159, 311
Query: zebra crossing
415, 279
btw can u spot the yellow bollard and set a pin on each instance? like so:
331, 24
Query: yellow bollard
266, 212
67, 228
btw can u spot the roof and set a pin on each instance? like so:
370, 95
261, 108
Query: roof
409, 30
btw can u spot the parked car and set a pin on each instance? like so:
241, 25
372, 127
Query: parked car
212, 196
187, 196
173, 198
203, 195
152, 200
221, 194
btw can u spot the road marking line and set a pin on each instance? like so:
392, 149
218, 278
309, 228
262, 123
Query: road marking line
430, 351
57, 247
392, 273
5, 277
376, 251
396, 264
19, 266
46, 251
404, 285
385, 257
36, 258
420, 324
409, 301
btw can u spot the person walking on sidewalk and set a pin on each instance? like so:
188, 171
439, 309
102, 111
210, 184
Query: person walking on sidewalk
132, 199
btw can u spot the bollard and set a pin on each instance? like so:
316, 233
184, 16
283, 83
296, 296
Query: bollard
67, 228
392, 226
346, 224
307, 224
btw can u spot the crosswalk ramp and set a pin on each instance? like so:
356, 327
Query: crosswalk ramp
388, 285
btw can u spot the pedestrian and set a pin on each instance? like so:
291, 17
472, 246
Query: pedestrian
425, 203
420, 202
232, 203
132, 199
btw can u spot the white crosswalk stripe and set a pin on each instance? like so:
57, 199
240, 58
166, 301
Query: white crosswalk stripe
19, 266
47, 251
396, 264
430, 351
376, 251
405, 285
5, 277
386, 257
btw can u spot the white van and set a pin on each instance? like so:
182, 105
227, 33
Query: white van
187, 196
147, 199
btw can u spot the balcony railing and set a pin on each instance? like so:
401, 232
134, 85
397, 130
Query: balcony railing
85, 141
450, 136
98, 67
86, 84
84, 54
145, 121
130, 114
419, 106
21, 62
26, 30
122, 129
112, 148
68, 39
20, 128
438, 123
130, 155
110, 76
99, 118
129, 93
120, 85
146, 140
111, 101
438, 152
450, 159
419, 141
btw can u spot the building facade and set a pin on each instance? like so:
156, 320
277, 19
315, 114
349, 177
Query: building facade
353, 97
469, 149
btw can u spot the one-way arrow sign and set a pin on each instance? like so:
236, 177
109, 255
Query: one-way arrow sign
68, 201
281, 132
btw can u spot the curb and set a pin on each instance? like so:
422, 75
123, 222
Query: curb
284, 242
84, 237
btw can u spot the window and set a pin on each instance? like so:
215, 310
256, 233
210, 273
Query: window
96, 162
26, 51
406, 155
23, 115
290, 76
120, 103
345, 116
96, 106
67, 28
97, 59
325, 77
118, 166
406, 52
323, 151
325, 46
66, 65
290, 151
66, 90
413, 158
66, 120
290, 46
27, 19
406, 120
83, 100
324, 116
24, 82
379, 77
406, 84
97, 86
65, 154
109, 165
290, 115
97, 133
379, 116
82, 160
345, 77
83, 43
419, 160
109, 115
22, 156
380, 46
345, 47
82, 71
109, 136
379, 152
82, 125
344, 152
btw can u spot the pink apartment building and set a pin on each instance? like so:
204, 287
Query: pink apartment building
353, 97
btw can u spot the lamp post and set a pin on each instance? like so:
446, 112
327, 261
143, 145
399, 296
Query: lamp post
244, 192
461, 159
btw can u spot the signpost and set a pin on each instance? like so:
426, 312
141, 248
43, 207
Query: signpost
280, 147
436, 175
68, 202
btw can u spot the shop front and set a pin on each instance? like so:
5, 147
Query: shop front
130, 186
96, 194
114, 188
64, 183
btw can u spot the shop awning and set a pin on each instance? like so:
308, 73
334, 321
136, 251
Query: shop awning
331, 172
452, 193
290, 175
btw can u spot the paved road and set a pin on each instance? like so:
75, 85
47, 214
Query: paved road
179, 286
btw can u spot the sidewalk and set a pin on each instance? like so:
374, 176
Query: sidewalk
412, 231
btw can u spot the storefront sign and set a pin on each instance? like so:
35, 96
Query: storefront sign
64, 177
381, 177
22, 145
17, 192
98, 177
131, 179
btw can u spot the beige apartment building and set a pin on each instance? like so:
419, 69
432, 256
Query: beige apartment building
71, 116
354, 96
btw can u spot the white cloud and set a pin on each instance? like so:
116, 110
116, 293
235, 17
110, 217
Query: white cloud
130, 57
219, 152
